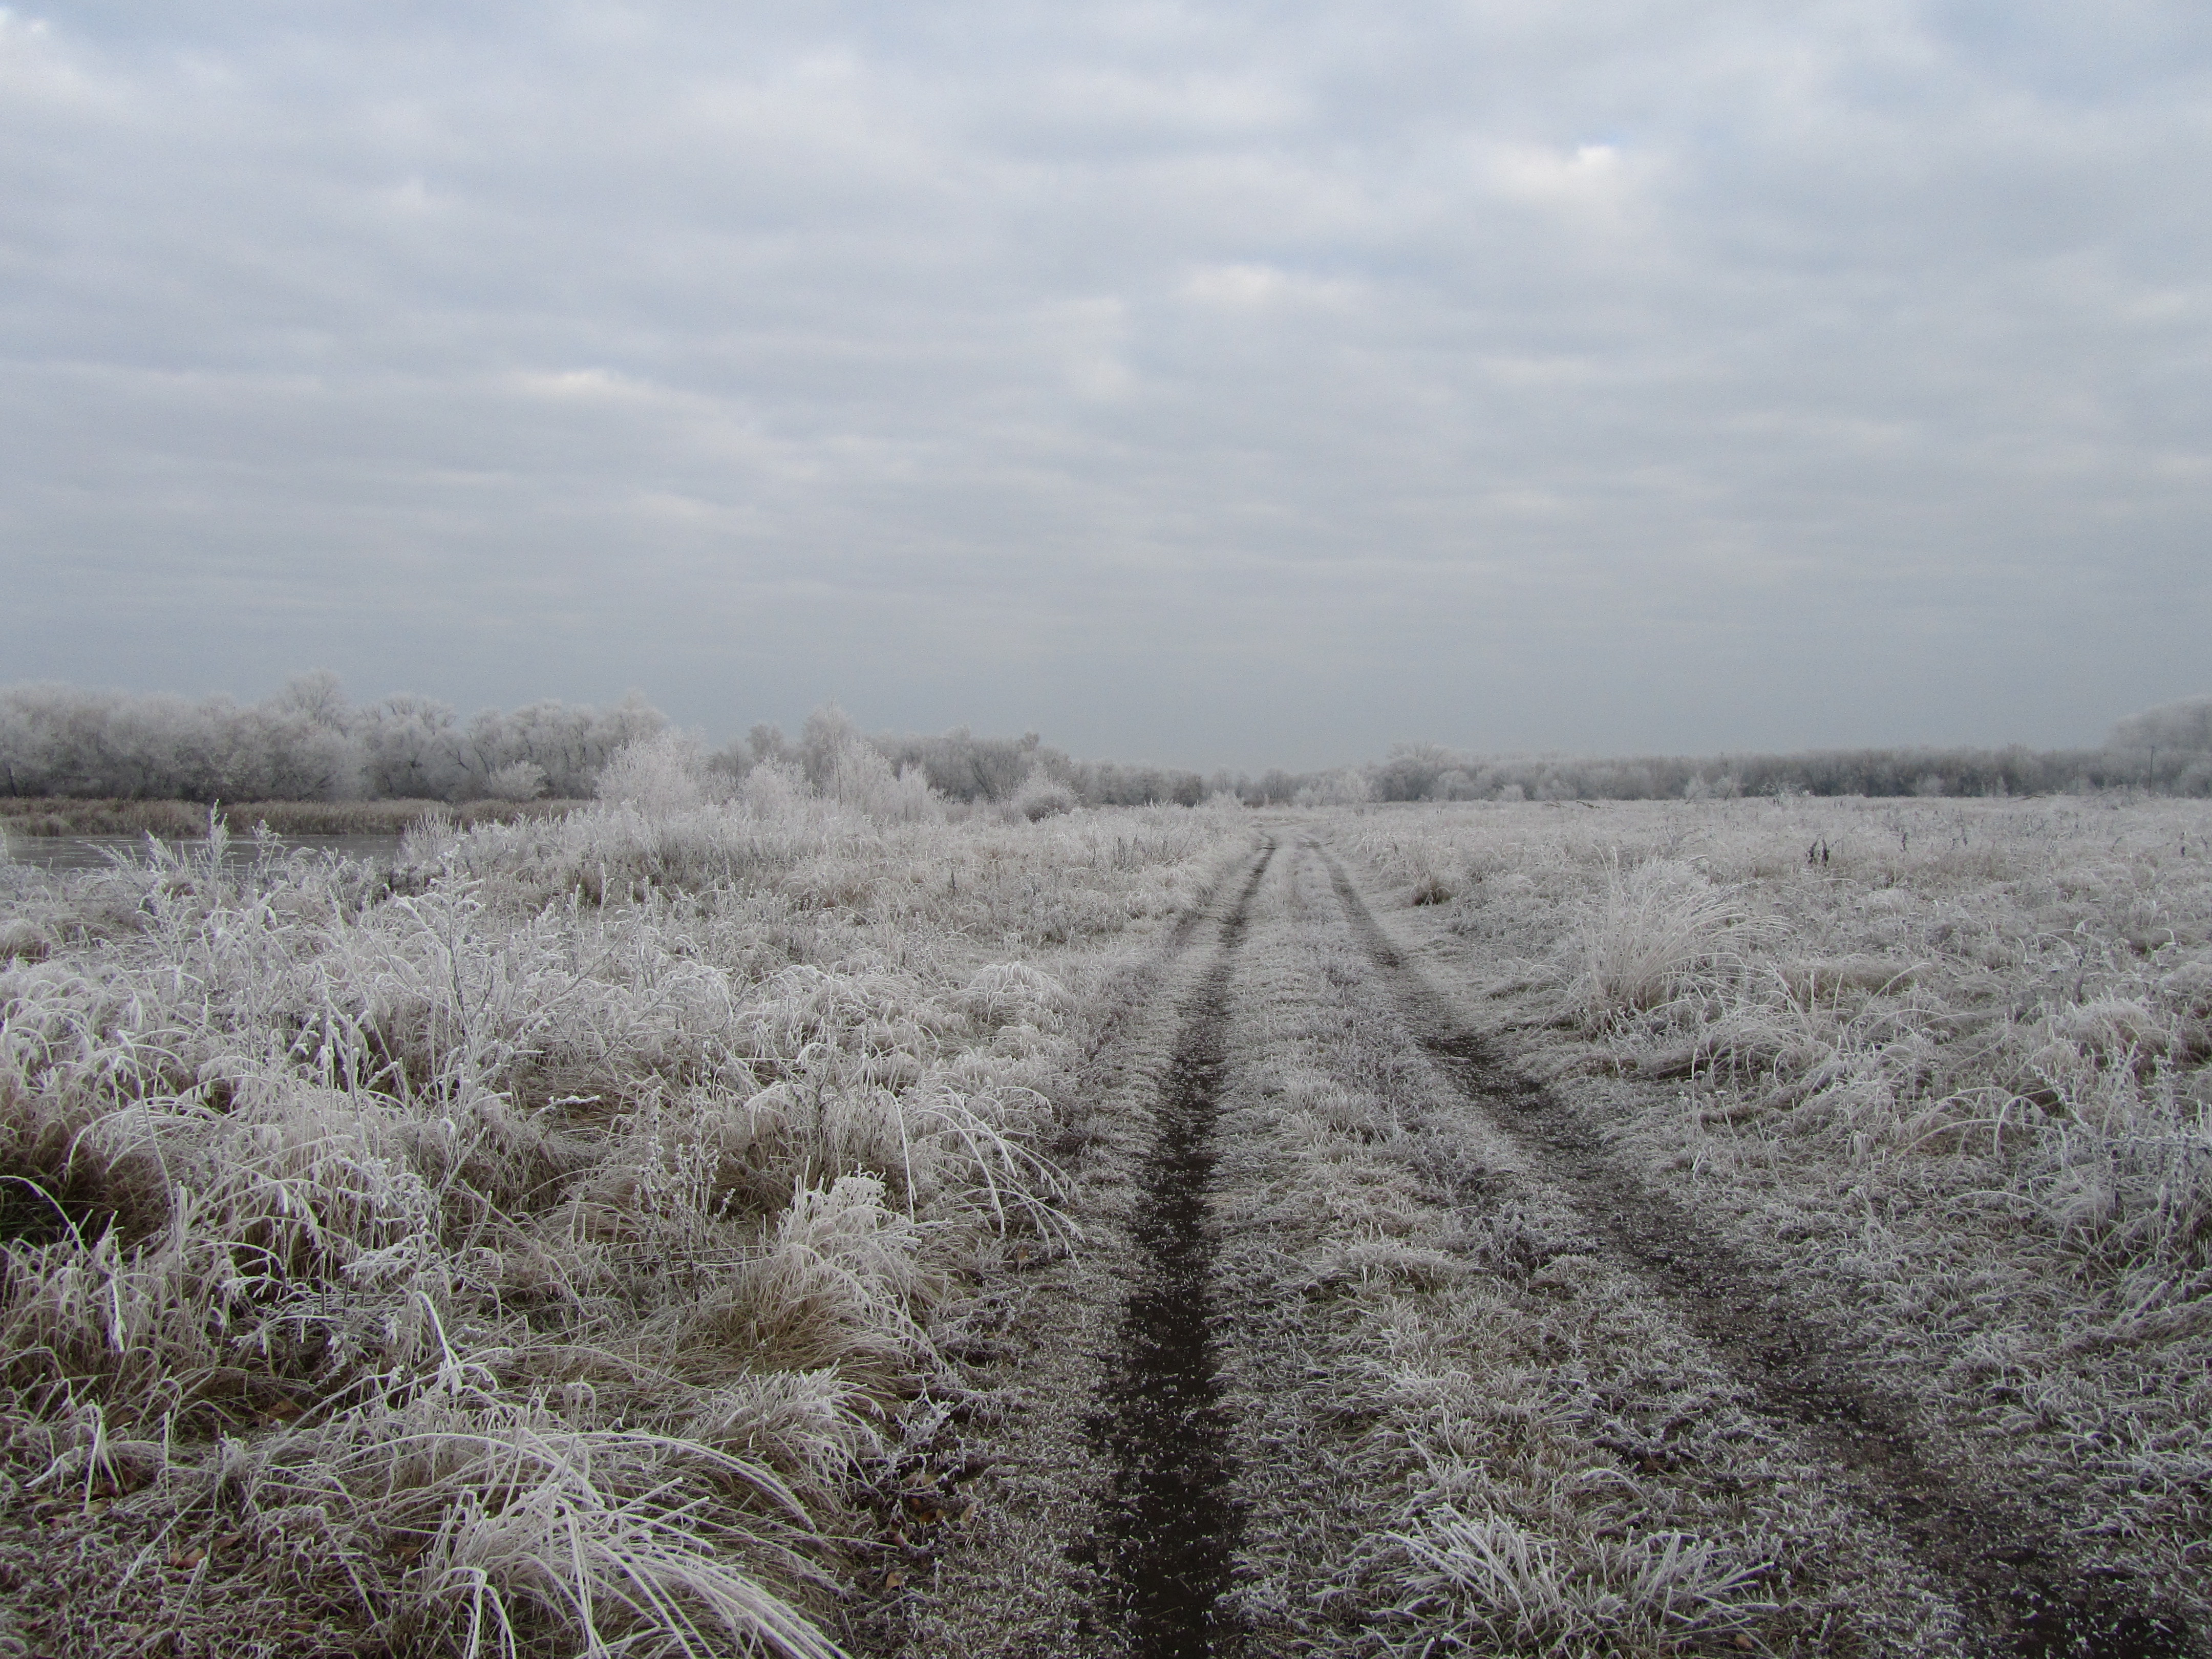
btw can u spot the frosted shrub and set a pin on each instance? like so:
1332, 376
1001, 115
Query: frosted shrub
522, 780
775, 790
860, 779
1042, 796
660, 775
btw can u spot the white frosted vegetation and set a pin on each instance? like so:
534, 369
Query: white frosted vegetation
522, 1245
1479, 1372
1984, 975
1954, 1053
1480, 1585
1659, 927
307, 743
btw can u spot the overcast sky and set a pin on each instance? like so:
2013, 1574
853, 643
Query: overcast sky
1201, 383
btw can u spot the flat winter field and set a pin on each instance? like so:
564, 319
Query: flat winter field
539, 1247
1697, 1227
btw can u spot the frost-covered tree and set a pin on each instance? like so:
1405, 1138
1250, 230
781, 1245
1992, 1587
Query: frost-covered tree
2184, 727
844, 766
58, 740
307, 743
961, 766
1345, 787
417, 748
661, 774
413, 750
317, 696
828, 733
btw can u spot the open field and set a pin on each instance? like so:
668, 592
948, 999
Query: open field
530, 1247
1724, 1226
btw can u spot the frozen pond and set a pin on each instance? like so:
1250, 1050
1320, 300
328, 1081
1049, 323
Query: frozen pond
97, 851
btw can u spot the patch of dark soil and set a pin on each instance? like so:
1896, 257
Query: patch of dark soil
2011, 1569
48, 1205
1168, 1535
79, 1578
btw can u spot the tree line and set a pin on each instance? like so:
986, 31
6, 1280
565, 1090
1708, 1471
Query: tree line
308, 743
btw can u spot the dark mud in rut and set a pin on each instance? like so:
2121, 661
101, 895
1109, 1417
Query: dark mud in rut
1171, 1525
2011, 1572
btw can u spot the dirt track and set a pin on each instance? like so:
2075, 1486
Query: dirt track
1172, 1524
1348, 1273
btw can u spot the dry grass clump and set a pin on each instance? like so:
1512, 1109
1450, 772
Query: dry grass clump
478, 1524
1661, 929
515, 1252
1958, 1051
1476, 1585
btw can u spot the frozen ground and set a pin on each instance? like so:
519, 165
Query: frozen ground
1731, 1227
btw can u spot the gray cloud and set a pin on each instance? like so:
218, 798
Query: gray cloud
1232, 383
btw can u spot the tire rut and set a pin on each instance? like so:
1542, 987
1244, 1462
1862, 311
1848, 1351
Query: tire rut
2012, 1574
1172, 1524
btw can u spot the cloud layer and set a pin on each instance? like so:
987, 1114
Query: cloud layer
1209, 383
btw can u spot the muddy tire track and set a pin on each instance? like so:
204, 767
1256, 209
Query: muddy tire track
1016, 1573
2011, 1571
1170, 1530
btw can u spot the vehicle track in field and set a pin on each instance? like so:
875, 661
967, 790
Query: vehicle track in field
2012, 1573
1100, 1524
1170, 1530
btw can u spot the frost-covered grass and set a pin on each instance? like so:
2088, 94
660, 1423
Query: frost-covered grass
1519, 1453
2021, 985
184, 820
512, 1252
1950, 1056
